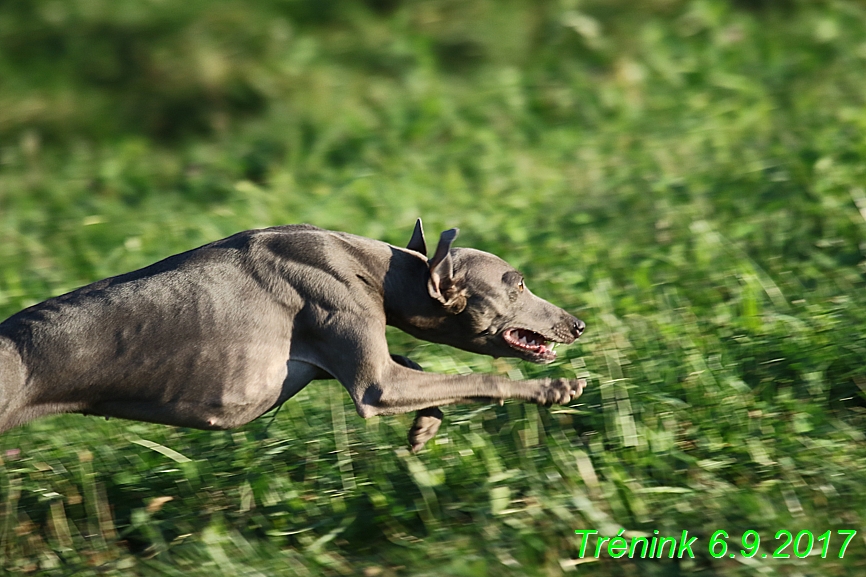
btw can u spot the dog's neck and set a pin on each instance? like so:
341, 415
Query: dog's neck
408, 305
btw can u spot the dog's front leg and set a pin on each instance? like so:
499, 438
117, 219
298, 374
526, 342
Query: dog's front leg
397, 389
427, 421
381, 386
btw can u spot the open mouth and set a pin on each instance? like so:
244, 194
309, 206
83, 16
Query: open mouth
530, 343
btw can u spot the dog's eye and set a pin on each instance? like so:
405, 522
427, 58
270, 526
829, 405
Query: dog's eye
520, 285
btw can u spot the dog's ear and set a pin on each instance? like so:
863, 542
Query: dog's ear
442, 285
417, 242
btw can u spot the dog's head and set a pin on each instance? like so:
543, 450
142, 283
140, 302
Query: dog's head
487, 307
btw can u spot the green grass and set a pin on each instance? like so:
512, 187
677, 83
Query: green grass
685, 176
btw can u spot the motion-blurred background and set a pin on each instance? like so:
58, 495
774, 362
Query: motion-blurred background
687, 176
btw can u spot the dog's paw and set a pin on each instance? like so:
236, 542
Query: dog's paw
424, 428
561, 391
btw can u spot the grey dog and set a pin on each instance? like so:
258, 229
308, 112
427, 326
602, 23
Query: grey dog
214, 337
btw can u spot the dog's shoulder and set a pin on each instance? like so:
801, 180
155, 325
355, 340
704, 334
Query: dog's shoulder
259, 234
289, 229
283, 236
300, 237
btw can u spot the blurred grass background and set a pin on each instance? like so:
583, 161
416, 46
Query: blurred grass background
687, 176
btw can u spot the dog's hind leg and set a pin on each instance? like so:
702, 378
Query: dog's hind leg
13, 379
427, 421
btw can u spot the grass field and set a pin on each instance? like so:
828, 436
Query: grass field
685, 176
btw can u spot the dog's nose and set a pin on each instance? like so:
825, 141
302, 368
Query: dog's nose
577, 327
